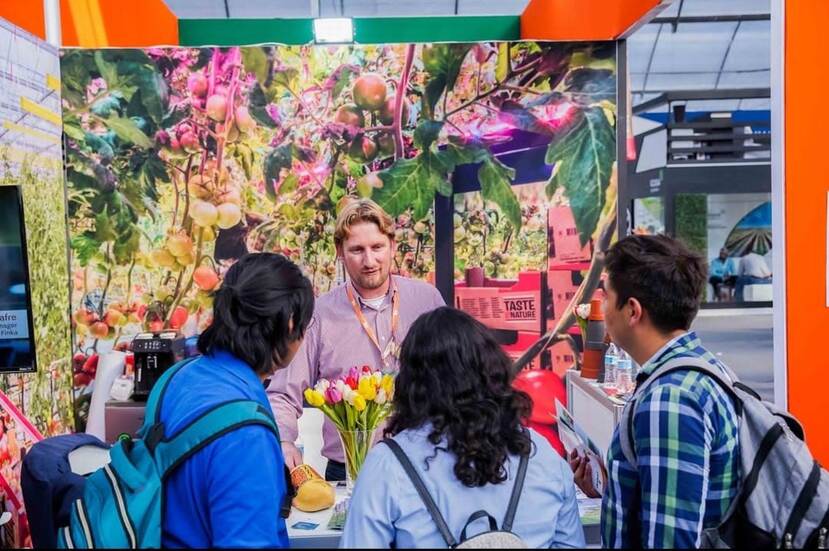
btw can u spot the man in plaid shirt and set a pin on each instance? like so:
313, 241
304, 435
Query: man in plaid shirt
685, 426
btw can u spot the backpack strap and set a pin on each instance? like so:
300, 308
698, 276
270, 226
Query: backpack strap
726, 380
516, 493
152, 412
411, 472
493, 524
214, 423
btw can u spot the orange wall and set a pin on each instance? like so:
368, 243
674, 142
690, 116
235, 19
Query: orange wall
806, 186
582, 19
98, 23
26, 14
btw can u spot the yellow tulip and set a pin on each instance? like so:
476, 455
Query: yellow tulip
314, 398
359, 402
366, 388
387, 384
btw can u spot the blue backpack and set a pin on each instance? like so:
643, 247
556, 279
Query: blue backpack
123, 502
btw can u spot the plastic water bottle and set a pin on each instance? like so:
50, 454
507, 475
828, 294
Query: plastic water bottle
611, 357
624, 373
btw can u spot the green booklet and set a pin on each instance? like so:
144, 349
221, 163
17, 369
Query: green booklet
337, 521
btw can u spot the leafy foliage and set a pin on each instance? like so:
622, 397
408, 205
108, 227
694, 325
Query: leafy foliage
180, 160
584, 157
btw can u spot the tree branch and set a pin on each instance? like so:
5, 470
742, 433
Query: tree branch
399, 98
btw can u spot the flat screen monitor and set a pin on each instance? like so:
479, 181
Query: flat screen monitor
17, 347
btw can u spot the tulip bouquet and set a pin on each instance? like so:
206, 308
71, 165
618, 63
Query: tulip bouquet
356, 404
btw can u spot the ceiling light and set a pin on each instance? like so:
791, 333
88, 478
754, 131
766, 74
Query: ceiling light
334, 30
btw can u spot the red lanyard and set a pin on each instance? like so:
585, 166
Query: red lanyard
395, 318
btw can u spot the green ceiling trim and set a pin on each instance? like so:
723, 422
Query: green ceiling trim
367, 30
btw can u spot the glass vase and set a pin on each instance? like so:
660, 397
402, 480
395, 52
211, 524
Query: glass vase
356, 444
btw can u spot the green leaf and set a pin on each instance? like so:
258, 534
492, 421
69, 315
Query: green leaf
176, 115
453, 155
108, 70
75, 66
154, 93
411, 183
286, 77
590, 86
104, 229
343, 78
274, 162
256, 61
584, 156
502, 66
85, 247
257, 102
443, 64
496, 186
245, 155
426, 133
289, 184
73, 131
126, 246
129, 132
79, 180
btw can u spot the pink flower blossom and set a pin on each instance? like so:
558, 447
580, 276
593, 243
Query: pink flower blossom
332, 395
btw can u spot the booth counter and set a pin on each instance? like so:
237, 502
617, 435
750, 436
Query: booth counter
311, 531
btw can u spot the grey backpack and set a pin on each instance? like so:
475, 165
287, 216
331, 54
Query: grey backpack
491, 539
783, 500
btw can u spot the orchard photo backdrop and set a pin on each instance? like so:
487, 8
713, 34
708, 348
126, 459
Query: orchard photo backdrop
180, 160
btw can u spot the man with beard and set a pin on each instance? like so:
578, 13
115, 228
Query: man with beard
361, 322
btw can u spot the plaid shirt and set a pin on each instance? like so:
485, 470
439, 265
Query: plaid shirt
685, 435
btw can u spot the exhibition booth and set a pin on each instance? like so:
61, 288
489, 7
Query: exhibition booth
141, 161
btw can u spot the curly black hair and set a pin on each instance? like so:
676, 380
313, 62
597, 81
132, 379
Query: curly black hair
454, 375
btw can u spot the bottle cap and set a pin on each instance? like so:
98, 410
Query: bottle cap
596, 313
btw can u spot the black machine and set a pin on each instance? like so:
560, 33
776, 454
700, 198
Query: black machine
154, 353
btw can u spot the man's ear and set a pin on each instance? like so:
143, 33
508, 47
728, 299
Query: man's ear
637, 313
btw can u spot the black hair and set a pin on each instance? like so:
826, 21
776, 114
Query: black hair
454, 375
662, 274
263, 304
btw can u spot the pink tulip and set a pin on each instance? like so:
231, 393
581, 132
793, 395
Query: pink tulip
332, 395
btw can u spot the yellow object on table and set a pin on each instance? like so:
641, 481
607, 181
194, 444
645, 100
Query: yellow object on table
313, 493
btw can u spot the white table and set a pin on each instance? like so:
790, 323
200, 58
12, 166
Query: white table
322, 537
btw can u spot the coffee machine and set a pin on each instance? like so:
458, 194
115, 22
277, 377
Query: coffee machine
154, 353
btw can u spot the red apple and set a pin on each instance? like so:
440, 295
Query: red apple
197, 84
205, 278
217, 107
350, 115
179, 317
387, 112
99, 330
369, 91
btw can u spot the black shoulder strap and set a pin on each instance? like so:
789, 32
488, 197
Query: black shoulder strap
516, 493
411, 472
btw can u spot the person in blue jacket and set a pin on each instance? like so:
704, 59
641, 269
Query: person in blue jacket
229, 493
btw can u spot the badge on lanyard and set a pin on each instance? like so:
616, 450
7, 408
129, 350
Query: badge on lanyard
391, 353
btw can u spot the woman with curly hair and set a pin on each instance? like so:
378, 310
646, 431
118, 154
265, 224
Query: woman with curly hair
459, 422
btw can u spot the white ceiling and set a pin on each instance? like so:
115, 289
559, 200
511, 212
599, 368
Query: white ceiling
673, 55
683, 55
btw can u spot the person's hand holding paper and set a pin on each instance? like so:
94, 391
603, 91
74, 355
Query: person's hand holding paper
588, 468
